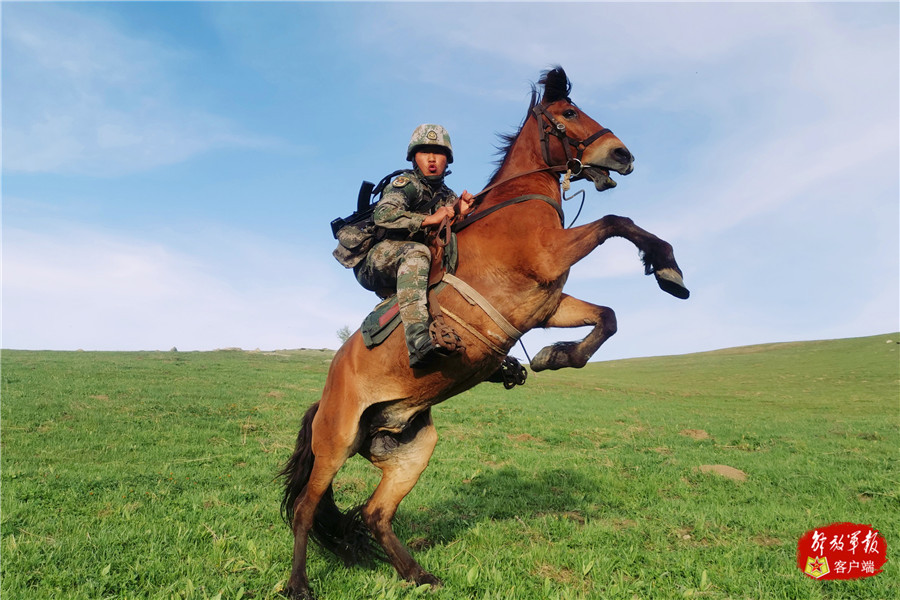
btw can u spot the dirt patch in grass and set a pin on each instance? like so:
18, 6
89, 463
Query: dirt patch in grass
695, 434
766, 541
724, 471
524, 437
623, 524
420, 543
561, 575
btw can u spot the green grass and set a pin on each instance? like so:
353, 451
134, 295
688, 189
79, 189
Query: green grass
151, 475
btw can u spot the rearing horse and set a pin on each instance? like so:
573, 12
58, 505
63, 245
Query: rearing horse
514, 252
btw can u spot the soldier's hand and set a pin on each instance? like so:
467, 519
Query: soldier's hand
466, 200
438, 216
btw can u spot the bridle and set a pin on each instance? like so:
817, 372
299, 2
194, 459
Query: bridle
573, 166
555, 128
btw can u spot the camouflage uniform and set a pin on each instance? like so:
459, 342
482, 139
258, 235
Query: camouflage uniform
401, 261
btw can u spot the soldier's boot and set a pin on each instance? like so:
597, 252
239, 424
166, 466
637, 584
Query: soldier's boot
412, 289
423, 352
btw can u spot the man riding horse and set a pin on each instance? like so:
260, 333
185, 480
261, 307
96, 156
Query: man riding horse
515, 254
415, 201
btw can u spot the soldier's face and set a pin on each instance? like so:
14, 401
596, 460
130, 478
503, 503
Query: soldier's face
431, 163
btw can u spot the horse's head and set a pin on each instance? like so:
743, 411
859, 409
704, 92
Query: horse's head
570, 137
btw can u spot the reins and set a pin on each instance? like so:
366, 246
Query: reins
517, 200
557, 169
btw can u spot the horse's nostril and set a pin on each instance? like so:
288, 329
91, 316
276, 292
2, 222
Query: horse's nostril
622, 155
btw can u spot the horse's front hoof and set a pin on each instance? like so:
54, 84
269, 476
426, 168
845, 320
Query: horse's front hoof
560, 355
670, 281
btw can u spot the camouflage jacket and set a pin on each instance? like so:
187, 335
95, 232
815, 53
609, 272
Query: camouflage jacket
397, 216
404, 205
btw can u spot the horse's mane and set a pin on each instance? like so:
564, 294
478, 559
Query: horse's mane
556, 86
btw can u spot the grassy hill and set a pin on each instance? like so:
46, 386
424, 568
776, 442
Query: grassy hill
150, 475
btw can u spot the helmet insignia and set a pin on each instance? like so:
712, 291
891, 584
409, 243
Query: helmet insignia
430, 134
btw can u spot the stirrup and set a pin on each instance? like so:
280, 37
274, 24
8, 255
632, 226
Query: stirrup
510, 373
444, 336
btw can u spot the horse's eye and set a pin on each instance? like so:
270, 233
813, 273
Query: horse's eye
570, 114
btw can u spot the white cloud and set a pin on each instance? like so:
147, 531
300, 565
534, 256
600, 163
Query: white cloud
82, 97
82, 288
782, 172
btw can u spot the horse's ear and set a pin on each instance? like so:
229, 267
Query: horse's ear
556, 85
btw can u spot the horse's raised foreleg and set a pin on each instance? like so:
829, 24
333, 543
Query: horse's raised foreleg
573, 312
563, 248
402, 457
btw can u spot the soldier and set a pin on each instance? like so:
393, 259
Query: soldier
415, 201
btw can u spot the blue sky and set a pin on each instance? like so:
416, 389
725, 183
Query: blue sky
170, 169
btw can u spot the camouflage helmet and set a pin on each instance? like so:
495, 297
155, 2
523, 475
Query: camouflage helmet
429, 135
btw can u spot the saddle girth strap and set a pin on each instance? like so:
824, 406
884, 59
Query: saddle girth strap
472, 296
477, 334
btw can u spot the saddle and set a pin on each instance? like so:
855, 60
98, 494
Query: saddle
381, 322
385, 317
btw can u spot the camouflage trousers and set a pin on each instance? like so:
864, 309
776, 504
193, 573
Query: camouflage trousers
401, 266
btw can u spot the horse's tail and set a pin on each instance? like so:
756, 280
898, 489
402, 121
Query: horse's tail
343, 534
299, 466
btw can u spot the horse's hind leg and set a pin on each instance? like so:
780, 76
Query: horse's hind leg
333, 438
402, 457
573, 312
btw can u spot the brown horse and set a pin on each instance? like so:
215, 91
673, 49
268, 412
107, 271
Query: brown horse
515, 251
